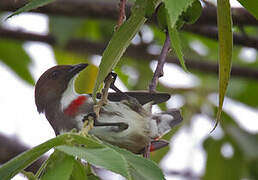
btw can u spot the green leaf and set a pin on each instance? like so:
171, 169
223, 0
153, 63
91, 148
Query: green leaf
15, 165
12, 167
225, 50
251, 6
33, 4
61, 168
15, 57
94, 151
139, 167
121, 40
104, 157
175, 43
162, 17
86, 79
175, 8
192, 13
79, 171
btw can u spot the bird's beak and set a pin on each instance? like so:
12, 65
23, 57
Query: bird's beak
76, 69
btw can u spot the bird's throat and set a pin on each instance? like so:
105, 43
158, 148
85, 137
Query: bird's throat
74, 106
68, 95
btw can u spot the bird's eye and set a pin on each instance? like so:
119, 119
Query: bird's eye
54, 74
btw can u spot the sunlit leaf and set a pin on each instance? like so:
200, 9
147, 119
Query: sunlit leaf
86, 79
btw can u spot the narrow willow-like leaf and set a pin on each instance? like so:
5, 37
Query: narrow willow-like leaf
31, 5
121, 40
225, 50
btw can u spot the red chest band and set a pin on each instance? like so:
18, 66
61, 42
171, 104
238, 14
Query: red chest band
73, 108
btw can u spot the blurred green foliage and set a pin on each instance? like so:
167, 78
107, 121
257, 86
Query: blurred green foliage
136, 74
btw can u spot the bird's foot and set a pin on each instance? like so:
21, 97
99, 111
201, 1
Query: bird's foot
88, 123
132, 102
92, 116
117, 90
104, 95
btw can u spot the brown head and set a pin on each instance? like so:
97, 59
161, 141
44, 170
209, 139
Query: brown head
52, 83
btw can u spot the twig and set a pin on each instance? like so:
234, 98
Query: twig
122, 15
158, 73
161, 61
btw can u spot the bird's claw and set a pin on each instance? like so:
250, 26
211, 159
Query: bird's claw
88, 123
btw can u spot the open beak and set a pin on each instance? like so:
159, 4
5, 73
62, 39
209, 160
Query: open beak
76, 69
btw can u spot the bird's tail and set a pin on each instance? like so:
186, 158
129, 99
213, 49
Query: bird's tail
165, 121
162, 123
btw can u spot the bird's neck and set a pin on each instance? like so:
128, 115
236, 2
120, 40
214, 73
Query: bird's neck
62, 114
68, 96
71, 102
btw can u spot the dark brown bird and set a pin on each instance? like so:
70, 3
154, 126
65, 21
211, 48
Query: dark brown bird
65, 109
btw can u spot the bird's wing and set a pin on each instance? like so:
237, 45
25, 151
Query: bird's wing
141, 96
